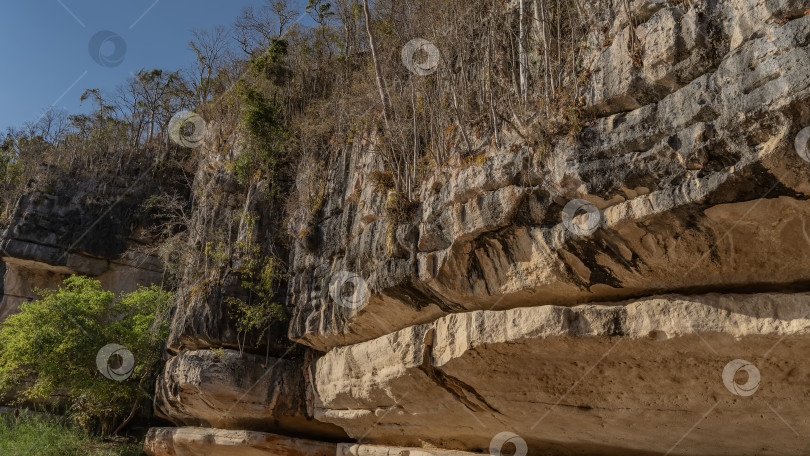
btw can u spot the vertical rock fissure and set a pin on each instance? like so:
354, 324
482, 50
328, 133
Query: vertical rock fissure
460, 390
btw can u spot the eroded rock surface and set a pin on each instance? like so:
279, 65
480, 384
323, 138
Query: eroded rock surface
216, 376
624, 379
351, 449
699, 186
487, 312
228, 390
216, 442
89, 230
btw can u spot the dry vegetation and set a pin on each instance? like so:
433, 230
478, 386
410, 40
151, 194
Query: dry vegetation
282, 98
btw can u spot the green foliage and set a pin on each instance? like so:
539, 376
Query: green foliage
217, 251
262, 275
33, 435
54, 341
263, 153
320, 11
260, 115
256, 317
270, 65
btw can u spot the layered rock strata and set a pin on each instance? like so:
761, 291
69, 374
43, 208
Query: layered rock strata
700, 189
213, 442
669, 318
621, 379
90, 232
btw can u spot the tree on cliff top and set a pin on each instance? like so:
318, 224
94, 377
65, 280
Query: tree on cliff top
51, 349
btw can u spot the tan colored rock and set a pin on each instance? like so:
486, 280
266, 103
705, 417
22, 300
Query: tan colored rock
189, 441
745, 19
645, 377
20, 279
699, 190
223, 389
124, 274
480, 317
353, 449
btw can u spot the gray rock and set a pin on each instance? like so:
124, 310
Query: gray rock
223, 389
85, 229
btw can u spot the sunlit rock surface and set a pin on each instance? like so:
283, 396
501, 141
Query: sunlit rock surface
629, 379
674, 321
216, 442
700, 190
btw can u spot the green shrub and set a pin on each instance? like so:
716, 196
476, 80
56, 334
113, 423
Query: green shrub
262, 154
51, 346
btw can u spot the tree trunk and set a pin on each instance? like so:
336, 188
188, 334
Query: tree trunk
377, 71
522, 57
546, 48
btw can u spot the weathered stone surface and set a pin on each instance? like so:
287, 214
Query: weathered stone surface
203, 318
87, 230
206, 381
699, 189
123, 274
353, 449
223, 389
86, 219
216, 442
645, 377
486, 313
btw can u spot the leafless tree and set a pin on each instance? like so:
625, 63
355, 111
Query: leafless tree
256, 28
377, 70
210, 49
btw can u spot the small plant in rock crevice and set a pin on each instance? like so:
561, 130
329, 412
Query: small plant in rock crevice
262, 276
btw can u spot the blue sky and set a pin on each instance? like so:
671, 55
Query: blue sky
44, 46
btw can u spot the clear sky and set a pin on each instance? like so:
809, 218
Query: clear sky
44, 46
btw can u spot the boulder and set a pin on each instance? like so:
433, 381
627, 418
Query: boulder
217, 442
225, 389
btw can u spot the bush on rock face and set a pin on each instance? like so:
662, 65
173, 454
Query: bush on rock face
54, 346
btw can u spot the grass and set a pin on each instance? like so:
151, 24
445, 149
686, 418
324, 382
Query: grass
35, 435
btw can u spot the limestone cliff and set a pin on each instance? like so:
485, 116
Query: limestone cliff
499, 310
600, 291
87, 227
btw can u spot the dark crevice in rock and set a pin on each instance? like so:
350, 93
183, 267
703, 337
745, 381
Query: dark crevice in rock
463, 392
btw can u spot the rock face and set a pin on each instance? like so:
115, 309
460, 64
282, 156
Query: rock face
348, 449
203, 319
223, 389
621, 379
671, 317
671, 178
216, 376
87, 230
213, 442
